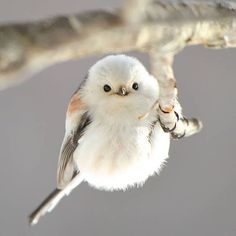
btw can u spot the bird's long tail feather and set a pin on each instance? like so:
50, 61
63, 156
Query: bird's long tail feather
53, 199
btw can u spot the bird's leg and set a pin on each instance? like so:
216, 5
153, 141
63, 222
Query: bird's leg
169, 110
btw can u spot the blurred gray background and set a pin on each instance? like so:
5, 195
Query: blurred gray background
195, 193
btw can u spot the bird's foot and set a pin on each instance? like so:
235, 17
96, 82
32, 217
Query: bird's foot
178, 126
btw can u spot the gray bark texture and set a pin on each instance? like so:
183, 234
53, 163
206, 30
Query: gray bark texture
156, 27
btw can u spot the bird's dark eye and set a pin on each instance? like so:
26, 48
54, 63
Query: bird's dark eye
135, 86
107, 88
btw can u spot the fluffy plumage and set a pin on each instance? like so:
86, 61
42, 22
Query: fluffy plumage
106, 144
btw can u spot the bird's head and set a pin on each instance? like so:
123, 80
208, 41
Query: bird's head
120, 84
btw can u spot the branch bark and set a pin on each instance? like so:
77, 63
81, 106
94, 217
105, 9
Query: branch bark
142, 25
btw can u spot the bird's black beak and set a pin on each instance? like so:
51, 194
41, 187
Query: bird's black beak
122, 91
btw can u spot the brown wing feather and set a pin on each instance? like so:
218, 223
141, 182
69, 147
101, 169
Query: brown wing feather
77, 120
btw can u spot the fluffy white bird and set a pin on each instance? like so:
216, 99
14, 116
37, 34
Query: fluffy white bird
105, 143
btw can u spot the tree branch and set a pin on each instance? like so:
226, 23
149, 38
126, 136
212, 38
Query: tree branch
166, 27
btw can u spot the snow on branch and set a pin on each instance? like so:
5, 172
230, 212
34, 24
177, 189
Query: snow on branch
142, 25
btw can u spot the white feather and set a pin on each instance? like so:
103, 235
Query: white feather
115, 151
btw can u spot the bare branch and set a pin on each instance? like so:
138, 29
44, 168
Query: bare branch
170, 111
147, 25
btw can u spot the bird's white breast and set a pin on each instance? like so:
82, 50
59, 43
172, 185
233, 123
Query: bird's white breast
115, 156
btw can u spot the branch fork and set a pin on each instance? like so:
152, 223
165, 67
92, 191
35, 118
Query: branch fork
160, 28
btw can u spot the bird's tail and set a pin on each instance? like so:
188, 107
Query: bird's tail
53, 199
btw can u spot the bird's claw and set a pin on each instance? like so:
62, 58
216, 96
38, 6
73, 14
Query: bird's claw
169, 127
181, 127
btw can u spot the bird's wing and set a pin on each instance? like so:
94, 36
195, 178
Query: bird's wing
77, 119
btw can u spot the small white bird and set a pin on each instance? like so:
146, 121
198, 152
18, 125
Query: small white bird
105, 143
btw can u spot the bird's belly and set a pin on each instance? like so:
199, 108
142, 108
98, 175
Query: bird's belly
112, 161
